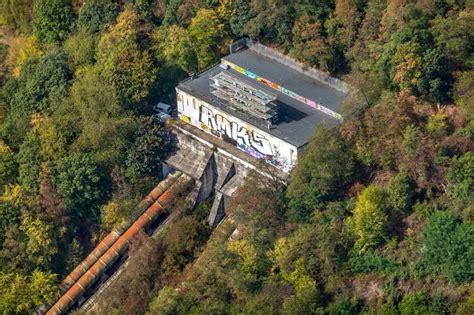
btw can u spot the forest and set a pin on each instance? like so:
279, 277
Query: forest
377, 218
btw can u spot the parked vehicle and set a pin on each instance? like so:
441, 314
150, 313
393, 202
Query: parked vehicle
163, 111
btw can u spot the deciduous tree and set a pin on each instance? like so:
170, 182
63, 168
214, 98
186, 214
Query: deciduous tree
96, 15
320, 174
24, 294
447, 248
151, 146
8, 165
176, 46
80, 184
369, 221
29, 164
41, 241
53, 20
206, 31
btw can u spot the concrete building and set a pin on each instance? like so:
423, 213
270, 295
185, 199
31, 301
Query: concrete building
261, 101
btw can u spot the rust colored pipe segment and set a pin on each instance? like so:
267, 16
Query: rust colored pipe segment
155, 209
91, 259
108, 241
109, 257
158, 190
143, 221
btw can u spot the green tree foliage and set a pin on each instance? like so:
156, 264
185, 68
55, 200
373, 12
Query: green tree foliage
13, 255
447, 248
272, 21
29, 164
461, 176
52, 143
10, 216
94, 118
111, 216
25, 294
43, 81
465, 307
412, 62
342, 305
241, 16
435, 79
80, 184
181, 241
414, 304
80, 49
133, 73
96, 15
124, 64
250, 263
309, 43
41, 241
325, 168
206, 32
42, 84
175, 46
165, 303
152, 144
369, 220
53, 20
400, 192
452, 34
305, 299
8, 165
3, 53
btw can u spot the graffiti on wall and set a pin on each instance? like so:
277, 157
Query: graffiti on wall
284, 90
245, 138
220, 125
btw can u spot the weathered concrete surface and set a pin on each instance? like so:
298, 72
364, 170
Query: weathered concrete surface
193, 139
192, 161
217, 210
225, 171
217, 167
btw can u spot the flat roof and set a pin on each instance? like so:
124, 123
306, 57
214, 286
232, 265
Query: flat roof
297, 121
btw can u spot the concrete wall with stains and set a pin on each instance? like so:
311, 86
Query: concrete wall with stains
254, 141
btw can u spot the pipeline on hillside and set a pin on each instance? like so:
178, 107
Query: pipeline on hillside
112, 237
83, 277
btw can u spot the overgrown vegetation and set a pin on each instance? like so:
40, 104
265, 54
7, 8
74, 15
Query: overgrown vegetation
377, 217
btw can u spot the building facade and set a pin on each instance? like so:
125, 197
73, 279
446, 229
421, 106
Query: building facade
262, 102
247, 137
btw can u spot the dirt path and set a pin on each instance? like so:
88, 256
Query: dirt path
6, 36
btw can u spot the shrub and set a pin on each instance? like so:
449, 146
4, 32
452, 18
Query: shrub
461, 176
369, 262
414, 304
400, 192
448, 248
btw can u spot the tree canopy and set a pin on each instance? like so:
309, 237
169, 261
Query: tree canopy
376, 217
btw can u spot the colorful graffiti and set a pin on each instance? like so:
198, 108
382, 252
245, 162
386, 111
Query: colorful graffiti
220, 125
246, 139
284, 90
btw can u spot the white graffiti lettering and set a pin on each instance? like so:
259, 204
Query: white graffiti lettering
219, 124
